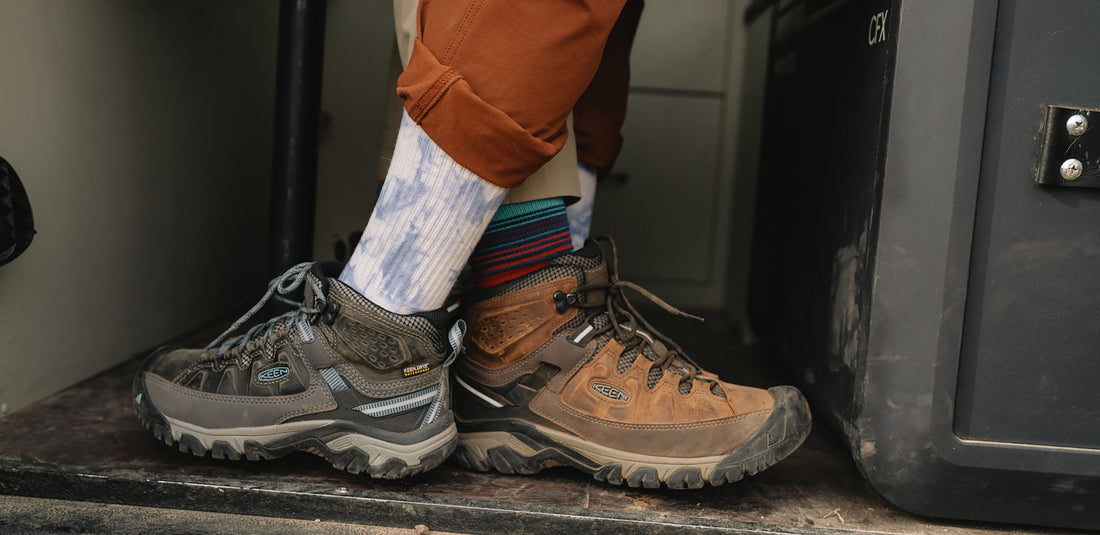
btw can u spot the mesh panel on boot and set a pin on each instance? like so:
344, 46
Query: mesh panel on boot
626, 360
416, 322
563, 266
535, 278
600, 321
578, 261
401, 422
655, 375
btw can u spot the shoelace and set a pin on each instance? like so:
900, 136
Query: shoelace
624, 319
280, 286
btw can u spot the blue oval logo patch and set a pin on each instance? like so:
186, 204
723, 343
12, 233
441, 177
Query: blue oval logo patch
273, 374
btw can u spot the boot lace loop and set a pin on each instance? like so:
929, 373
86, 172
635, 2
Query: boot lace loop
630, 326
279, 287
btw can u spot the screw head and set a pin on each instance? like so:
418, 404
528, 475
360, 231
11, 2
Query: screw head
1077, 125
1071, 169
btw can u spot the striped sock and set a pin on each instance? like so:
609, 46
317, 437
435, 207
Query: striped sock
521, 238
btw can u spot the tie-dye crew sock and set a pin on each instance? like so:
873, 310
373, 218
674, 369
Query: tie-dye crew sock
521, 238
580, 212
429, 216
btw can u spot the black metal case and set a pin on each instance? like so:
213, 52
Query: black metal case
921, 260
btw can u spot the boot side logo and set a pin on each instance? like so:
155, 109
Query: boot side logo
271, 375
611, 392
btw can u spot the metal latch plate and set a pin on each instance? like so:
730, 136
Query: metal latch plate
1070, 155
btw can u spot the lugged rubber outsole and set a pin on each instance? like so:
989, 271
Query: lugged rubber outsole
527, 449
357, 454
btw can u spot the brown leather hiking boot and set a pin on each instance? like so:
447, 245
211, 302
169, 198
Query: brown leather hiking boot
560, 369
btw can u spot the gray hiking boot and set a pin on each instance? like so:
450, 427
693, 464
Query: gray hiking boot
339, 377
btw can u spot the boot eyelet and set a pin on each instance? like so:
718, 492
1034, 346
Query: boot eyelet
560, 301
328, 315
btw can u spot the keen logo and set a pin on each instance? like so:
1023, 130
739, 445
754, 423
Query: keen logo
414, 370
273, 374
609, 391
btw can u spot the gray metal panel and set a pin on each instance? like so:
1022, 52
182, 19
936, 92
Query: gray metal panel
924, 240
142, 131
671, 157
355, 94
1030, 346
820, 182
887, 372
681, 45
906, 444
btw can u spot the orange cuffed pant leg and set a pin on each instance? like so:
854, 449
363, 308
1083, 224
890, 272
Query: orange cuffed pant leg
492, 81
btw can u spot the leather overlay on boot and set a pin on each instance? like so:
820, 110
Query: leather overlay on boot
511, 326
366, 389
598, 403
280, 376
603, 392
213, 410
629, 400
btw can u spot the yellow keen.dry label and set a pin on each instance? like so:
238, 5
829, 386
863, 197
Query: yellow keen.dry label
415, 370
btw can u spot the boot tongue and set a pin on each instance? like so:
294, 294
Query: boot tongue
595, 276
592, 262
319, 274
589, 260
310, 296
